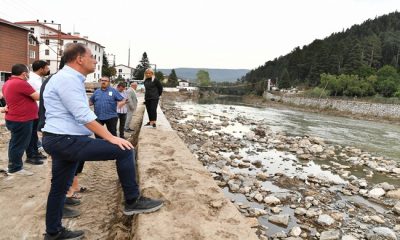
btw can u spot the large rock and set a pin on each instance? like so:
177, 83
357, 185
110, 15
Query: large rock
282, 219
325, 220
381, 233
376, 193
394, 194
272, 200
330, 235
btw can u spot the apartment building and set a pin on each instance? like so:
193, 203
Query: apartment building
17, 45
52, 41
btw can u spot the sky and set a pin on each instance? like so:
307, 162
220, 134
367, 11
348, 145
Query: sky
233, 34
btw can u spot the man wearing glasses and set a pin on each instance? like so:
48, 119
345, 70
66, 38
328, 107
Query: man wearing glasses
105, 101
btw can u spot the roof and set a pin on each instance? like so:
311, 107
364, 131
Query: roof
68, 37
36, 23
13, 24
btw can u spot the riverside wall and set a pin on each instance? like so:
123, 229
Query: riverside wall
194, 205
355, 107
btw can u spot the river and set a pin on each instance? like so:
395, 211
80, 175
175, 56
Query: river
375, 137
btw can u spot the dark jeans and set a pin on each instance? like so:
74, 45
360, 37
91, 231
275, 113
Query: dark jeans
32, 149
67, 151
19, 141
151, 107
122, 120
111, 125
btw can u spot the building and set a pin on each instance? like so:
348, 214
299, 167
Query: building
183, 83
17, 45
124, 72
52, 42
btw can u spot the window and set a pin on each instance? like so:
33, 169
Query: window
47, 42
32, 54
32, 42
95, 57
99, 58
60, 52
120, 70
32, 30
95, 47
46, 52
62, 42
98, 67
75, 41
94, 75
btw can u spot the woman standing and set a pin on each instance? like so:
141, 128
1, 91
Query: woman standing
153, 91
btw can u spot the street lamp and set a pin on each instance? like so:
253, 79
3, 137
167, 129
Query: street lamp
155, 67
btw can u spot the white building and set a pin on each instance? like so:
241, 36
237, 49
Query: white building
183, 83
52, 42
124, 71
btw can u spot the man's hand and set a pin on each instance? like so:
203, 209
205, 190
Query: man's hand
122, 143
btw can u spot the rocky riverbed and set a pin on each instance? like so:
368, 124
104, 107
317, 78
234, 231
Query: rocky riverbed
294, 187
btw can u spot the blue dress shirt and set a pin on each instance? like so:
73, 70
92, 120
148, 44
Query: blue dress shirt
105, 102
66, 103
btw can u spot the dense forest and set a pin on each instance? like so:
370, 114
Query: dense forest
360, 61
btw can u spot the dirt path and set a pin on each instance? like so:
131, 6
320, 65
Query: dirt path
23, 199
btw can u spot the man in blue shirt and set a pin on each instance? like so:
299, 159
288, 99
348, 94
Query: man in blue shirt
66, 138
105, 101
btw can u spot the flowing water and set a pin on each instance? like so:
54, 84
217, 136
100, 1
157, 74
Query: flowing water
380, 138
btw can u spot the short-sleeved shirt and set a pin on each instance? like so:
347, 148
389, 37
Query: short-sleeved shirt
123, 109
21, 107
105, 103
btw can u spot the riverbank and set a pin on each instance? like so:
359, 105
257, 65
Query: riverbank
296, 186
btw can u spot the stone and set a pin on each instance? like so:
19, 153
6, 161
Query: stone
325, 220
376, 193
381, 233
395, 194
282, 219
330, 235
349, 237
272, 200
295, 231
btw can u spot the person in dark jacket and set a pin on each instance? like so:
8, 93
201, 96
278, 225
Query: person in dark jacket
153, 91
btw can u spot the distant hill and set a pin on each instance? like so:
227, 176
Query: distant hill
359, 50
216, 75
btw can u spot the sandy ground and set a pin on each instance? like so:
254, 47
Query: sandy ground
23, 198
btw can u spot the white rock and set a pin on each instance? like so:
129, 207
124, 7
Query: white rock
282, 219
272, 200
381, 233
376, 193
295, 231
325, 220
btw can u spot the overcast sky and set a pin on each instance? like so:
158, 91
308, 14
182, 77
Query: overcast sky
200, 33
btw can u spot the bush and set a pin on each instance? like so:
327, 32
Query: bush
317, 93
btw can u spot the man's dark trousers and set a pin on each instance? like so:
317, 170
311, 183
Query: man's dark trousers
20, 137
32, 149
66, 152
111, 125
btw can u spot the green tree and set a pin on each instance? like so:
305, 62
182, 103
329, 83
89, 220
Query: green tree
284, 81
138, 73
172, 79
106, 69
203, 78
160, 76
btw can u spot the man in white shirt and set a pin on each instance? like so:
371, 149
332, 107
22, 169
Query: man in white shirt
132, 105
40, 69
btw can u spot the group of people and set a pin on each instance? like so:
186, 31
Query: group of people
67, 123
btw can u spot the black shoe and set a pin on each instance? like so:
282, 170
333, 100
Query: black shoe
70, 213
143, 205
154, 125
65, 234
40, 156
147, 124
129, 130
34, 161
72, 201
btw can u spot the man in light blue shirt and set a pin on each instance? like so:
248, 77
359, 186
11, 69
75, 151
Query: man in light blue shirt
68, 125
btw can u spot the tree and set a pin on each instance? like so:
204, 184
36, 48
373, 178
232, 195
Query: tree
160, 76
284, 81
203, 78
106, 69
172, 79
141, 67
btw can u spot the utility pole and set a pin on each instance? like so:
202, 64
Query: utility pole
58, 39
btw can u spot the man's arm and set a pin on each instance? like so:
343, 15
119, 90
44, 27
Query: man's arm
122, 103
99, 130
35, 96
